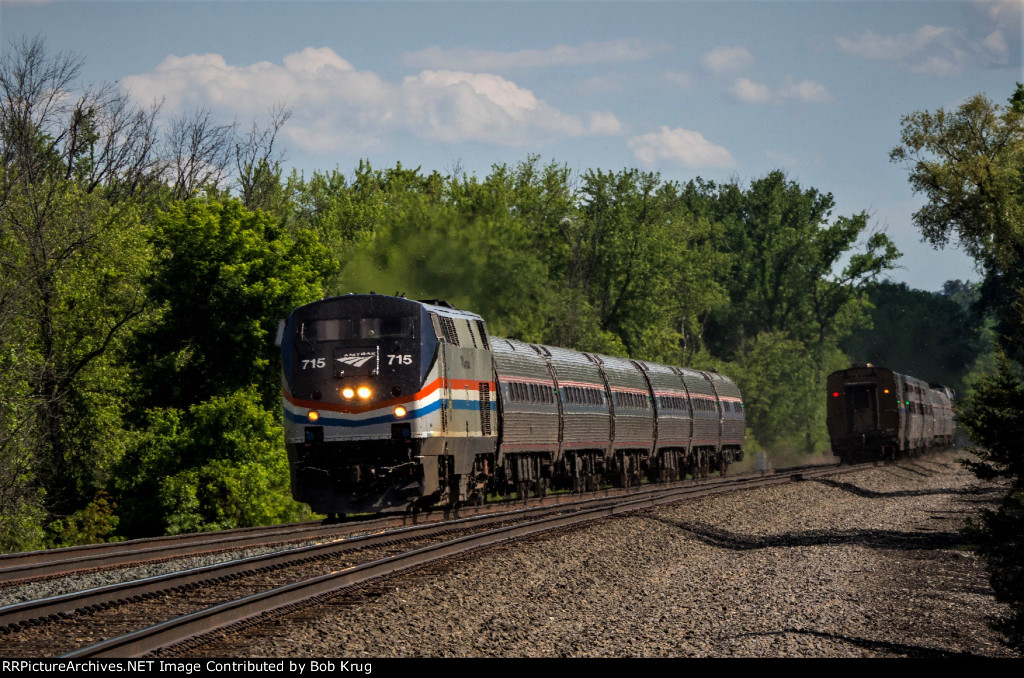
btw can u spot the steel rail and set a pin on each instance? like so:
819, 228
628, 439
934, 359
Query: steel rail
188, 626
63, 561
67, 604
16, 567
105, 556
33, 564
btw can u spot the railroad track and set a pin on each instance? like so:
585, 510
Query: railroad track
18, 568
140, 617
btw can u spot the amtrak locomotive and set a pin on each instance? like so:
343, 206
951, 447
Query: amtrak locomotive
394, 403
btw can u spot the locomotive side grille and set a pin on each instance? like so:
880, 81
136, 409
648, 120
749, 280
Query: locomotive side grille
485, 409
448, 326
483, 334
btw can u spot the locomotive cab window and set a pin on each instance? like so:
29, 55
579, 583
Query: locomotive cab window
334, 329
384, 328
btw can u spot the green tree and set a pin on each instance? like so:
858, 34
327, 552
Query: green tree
258, 165
615, 265
993, 417
74, 168
222, 277
969, 163
788, 292
477, 244
926, 334
209, 450
783, 273
217, 465
637, 265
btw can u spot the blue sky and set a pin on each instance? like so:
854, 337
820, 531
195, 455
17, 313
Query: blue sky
724, 90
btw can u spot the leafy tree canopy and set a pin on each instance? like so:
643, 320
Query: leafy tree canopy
223, 277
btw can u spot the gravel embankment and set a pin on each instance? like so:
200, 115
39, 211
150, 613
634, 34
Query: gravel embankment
870, 564
57, 586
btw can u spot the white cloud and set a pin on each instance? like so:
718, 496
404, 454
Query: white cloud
324, 134
750, 91
805, 90
679, 145
996, 44
899, 47
336, 106
726, 59
458, 106
1006, 12
679, 79
936, 50
465, 58
808, 91
311, 76
604, 124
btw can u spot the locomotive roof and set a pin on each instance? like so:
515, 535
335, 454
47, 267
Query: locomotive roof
431, 305
447, 310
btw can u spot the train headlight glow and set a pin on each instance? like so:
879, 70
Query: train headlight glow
347, 392
312, 415
400, 411
363, 392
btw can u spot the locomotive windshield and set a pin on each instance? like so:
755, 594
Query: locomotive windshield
341, 329
377, 328
334, 329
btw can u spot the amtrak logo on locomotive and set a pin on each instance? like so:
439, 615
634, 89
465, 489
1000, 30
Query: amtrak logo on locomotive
356, 359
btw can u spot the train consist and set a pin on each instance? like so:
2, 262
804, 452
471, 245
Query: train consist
394, 403
876, 414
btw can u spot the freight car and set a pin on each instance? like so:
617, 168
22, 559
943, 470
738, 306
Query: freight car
393, 403
876, 414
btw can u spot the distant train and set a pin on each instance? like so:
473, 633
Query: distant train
395, 403
877, 414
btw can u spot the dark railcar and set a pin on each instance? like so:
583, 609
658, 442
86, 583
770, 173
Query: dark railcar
876, 414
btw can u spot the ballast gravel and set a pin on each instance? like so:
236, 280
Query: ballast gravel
57, 586
870, 564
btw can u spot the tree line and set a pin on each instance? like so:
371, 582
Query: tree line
969, 164
145, 263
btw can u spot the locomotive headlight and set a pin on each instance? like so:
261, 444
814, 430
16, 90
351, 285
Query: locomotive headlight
347, 392
363, 392
312, 415
400, 411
